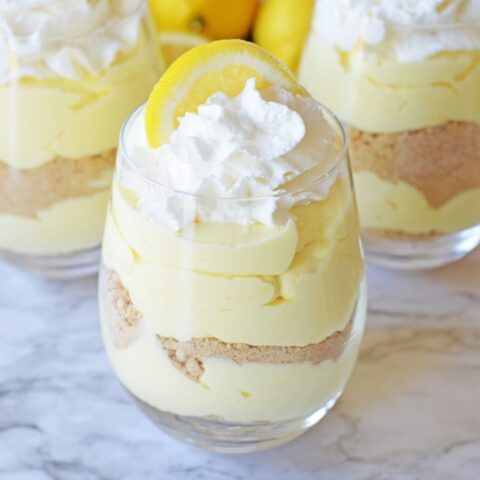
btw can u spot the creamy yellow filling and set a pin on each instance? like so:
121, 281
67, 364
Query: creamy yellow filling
291, 285
71, 225
400, 207
233, 249
286, 286
42, 119
237, 393
381, 95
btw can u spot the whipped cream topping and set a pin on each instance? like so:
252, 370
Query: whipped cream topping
412, 29
66, 38
260, 147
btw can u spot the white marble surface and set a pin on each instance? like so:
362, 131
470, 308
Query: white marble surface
411, 410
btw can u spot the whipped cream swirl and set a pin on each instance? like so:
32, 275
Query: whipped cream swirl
263, 150
412, 29
66, 38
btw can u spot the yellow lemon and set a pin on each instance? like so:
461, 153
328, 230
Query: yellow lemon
174, 15
221, 66
214, 18
175, 44
228, 18
282, 27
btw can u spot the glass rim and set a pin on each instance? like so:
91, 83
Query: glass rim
139, 7
341, 157
425, 27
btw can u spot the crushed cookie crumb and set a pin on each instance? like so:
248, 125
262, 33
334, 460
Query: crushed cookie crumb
440, 162
123, 317
27, 192
189, 356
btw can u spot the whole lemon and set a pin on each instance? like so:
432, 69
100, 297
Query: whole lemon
282, 27
215, 19
175, 44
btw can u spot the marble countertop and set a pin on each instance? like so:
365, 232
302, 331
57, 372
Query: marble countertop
410, 411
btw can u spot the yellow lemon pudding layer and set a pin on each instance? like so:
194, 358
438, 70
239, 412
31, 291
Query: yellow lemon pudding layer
63, 103
232, 267
409, 88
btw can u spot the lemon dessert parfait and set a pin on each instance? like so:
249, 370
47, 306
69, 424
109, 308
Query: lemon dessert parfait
70, 73
232, 296
405, 78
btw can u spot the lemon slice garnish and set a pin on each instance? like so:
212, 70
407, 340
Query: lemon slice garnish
222, 66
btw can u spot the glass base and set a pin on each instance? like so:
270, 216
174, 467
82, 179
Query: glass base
421, 253
233, 438
59, 267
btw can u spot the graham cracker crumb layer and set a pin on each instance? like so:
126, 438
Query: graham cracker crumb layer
122, 316
441, 162
26, 192
188, 357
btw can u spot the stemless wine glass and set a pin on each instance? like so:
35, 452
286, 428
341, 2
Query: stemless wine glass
233, 337
408, 88
70, 73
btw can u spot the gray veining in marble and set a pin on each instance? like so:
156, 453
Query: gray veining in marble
411, 410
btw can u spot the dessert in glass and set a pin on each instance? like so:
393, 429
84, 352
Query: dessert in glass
71, 71
232, 290
405, 78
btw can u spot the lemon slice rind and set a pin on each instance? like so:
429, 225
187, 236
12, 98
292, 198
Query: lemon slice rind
221, 66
